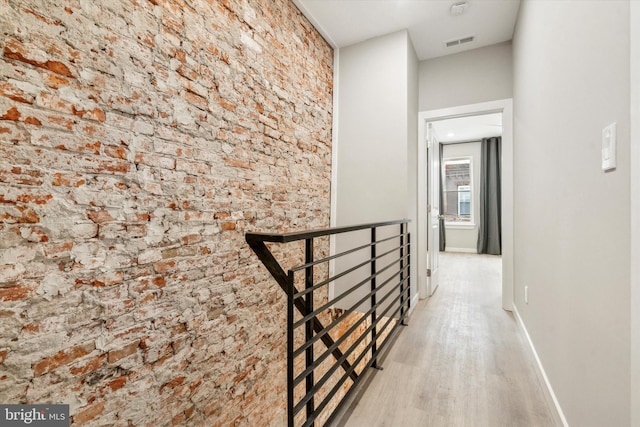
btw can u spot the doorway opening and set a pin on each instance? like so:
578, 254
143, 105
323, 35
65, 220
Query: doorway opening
460, 195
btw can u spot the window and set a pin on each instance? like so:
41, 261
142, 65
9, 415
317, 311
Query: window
458, 186
464, 201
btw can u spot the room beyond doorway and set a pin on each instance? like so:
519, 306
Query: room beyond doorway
504, 107
460, 140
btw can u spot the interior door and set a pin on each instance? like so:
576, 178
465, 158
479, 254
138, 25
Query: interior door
433, 156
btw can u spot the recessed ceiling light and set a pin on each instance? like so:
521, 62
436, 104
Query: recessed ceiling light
451, 135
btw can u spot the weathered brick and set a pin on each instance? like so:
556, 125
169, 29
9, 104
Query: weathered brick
117, 384
227, 226
99, 216
108, 279
58, 250
67, 180
48, 364
94, 114
88, 413
129, 349
91, 366
15, 93
15, 50
142, 139
13, 293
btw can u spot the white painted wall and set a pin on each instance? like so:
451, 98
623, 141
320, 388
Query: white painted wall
459, 238
413, 86
373, 182
635, 213
572, 220
377, 89
469, 77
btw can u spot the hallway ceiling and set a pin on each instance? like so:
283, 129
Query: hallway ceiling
469, 128
429, 22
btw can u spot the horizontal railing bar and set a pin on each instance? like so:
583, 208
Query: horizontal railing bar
325, 354
339, 341
355, 383
268, 260
344, 273
359, 248
348, 292
341, 381
301, 235
395, 292
336, 277
353, 346
329, 258
314, 313
352, 329
320, 334
336, 322
351, 349
381, 347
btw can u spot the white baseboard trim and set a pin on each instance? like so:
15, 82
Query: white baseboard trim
465, 250
541, 371
414, 303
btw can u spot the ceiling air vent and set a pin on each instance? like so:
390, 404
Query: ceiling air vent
458, 42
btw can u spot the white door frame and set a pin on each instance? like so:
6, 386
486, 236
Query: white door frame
635, 213
505, 106
432, 215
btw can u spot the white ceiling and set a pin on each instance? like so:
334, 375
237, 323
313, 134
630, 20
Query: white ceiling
429, 22
471, 128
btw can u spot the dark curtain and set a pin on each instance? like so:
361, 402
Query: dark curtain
490, 232
443, 235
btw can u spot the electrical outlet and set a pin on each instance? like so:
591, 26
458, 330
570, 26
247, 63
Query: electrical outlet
526, 295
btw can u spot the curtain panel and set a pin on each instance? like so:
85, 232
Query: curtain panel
490, 230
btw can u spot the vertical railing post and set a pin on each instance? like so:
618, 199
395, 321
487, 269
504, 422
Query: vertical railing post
308, 283
374, 333
290, 359
408, 270
402, 286
300, 311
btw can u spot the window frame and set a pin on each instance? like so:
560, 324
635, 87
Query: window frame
460, 224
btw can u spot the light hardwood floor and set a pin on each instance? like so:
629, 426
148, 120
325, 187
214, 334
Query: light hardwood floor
462, 361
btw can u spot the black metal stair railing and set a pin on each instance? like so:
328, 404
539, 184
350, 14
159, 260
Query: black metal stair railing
360, 328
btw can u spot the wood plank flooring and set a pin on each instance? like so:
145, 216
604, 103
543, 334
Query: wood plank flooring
462, 361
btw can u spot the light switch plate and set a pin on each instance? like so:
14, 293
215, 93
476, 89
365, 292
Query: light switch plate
609, 147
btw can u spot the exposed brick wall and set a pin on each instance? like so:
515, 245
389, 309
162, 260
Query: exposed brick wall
139, 141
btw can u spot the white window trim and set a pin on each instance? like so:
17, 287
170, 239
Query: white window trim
459, 226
